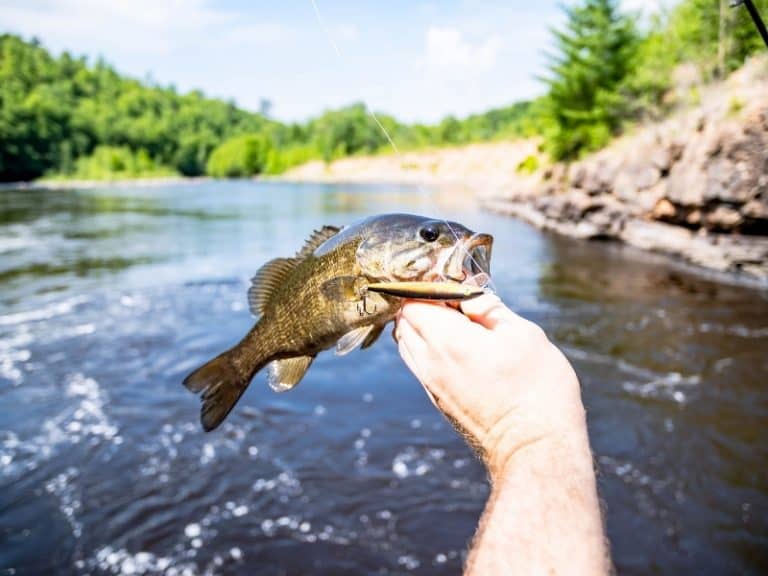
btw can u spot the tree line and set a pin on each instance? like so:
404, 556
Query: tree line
608, 71
63, 116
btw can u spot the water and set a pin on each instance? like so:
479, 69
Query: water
109, 297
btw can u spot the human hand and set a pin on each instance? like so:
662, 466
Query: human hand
495, 375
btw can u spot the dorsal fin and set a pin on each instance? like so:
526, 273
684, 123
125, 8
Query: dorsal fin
274, 272
315, 239
266, 281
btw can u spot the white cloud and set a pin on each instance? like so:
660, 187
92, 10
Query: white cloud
447, 49
139, 26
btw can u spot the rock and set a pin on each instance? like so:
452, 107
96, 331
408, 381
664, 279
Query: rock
723, 219
729, 182
701, 123
693, 218
664, 210
596, 176
647, 199
694, 186
687, 177
607, 222
662, 159
577, 175
656, 236
631, 181
686, 183
726, 253
725, 164
757, 209
676, 150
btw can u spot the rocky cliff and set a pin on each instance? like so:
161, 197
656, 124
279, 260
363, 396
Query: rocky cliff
694, 186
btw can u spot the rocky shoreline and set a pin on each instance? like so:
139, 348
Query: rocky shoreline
694, 187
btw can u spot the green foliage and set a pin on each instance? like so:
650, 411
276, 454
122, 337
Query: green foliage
54, 110
240, 157
280, 160
606, 73
347, 131
67, 116
735, 105
689, 33
518, 120
528, 165
595, 53
116, 162
646, 88
693, 34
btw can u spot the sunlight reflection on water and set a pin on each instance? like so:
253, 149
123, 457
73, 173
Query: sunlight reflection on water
111, 296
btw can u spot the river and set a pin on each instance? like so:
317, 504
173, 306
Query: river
110, 296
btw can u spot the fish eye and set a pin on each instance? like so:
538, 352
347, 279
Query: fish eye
430, 232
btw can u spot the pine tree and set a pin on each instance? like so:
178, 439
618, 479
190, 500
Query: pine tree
594, 53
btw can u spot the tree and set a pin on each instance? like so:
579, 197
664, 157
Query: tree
240, 157
346, 131
716, 38
594, 54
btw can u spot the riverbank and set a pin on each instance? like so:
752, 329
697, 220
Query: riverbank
694, 186
62, 184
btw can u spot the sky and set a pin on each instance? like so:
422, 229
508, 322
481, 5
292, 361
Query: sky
417, 60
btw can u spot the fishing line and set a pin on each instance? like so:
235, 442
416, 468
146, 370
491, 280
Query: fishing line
488, 284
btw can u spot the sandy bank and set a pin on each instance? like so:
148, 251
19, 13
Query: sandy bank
117, 183
486, 167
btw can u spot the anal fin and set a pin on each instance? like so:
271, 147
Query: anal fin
285, 374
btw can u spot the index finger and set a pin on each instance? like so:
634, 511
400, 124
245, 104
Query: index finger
439, 325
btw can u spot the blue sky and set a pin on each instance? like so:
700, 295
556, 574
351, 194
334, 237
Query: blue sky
417, 60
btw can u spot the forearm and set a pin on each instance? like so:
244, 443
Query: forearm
543, 514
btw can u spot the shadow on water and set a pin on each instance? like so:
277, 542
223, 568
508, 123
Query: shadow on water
109, 297
19, 206
674, 370
82, 267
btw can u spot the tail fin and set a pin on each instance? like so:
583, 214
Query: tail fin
222, 381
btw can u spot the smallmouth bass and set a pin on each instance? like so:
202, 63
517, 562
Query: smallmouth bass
319, 299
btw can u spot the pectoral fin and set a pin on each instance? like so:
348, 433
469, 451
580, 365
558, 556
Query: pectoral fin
352, 340
372, 336
341, 289
285, 374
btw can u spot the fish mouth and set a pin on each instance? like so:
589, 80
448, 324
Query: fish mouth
470, 260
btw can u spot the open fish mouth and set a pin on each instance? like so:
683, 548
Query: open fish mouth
470, 260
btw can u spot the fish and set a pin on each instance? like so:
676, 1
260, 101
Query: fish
339, 290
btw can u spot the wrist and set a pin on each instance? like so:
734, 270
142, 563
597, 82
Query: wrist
544, 485
566, 442
547, 416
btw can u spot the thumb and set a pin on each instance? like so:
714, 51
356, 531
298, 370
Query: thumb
488, 311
